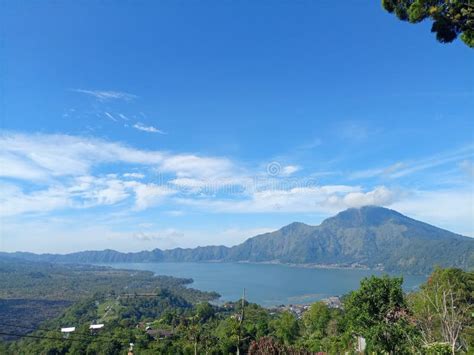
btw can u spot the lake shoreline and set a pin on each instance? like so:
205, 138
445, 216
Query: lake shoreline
267, 284
311, 265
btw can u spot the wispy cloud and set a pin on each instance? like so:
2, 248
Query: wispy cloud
149, 129
103, 95
369, 173
38, 155
468, 167
134, 175
354, 131
110, 116
290, 169
158, 236
404, 168
437, 160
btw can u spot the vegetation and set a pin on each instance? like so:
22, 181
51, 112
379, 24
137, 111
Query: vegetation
436, 319
369, 237
450, 17
32, 292
378, 311
20, 279
445, 308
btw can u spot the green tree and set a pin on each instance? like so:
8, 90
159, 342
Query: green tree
286, 328
227, 332
316, 319
450, 17
378, 312
204, 312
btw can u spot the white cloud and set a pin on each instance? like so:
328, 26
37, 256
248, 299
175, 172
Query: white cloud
103, 95
175, 213
380, 196
64, 172
369, 173
82, 192
437, 160
401, 169
94, 191
290, 169
319, 199
14, 201
134, 175
79, 193
13, 167
68, 162
123, 117
54, 155
34, 156
149, 129
452, 209
159, 236
211, 186
146, 225
148, 195
63, 155
468, 167
189, 165
110, 116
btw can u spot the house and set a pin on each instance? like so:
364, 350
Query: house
68, 330
94, 328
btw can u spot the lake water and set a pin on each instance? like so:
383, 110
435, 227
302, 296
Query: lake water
266, 284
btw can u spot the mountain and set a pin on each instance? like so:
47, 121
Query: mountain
371, 237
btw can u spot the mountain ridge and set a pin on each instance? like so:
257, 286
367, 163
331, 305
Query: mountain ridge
369, 237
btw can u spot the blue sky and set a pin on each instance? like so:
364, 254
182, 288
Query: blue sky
135, 125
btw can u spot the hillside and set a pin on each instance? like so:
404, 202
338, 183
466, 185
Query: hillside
372, 237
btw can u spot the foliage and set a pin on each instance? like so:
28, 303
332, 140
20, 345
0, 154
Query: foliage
324, 329
450, 17
286, 328
268, 346
378, 311
22, 279
437, 349
444, 307
317, 318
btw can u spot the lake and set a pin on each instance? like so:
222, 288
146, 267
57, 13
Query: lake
266, 284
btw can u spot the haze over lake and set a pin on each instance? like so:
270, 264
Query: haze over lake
266, 284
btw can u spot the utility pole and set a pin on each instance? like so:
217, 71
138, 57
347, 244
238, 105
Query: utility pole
130, 349
241, 321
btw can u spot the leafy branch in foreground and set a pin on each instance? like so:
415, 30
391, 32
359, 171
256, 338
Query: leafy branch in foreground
444, 308
450, 17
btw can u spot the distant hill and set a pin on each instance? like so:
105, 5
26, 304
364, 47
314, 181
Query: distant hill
370, 237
